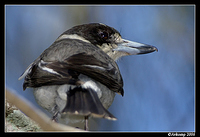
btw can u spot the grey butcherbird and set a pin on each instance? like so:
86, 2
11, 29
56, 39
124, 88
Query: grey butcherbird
77, 76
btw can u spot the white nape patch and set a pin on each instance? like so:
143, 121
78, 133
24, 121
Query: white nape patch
94, 66
46, 69
26, 72
72, 36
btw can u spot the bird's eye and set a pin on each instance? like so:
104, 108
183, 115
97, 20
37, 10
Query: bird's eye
104, 35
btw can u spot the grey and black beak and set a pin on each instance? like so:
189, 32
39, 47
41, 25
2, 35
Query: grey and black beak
134, 48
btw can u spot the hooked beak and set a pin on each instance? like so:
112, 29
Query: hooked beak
134, 48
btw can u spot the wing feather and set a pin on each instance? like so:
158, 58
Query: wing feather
52, 68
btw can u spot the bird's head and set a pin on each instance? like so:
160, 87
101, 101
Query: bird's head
108, 39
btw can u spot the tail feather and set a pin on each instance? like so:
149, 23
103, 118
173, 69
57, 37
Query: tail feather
85, 102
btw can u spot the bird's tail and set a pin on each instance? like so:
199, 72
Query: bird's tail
85, 102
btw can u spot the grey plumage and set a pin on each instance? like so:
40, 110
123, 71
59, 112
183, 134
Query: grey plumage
69, 58
77, 76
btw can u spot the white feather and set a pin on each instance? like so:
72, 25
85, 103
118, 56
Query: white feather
94, 66
46, 68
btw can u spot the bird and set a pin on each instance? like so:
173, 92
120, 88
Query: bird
77, 77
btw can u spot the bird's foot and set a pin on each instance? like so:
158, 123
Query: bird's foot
86, 124
54, 118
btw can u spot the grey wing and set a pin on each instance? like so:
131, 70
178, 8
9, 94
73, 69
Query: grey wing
97, 65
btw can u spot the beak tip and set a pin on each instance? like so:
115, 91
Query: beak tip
155, 49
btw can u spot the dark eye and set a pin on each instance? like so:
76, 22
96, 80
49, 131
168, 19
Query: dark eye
104, 35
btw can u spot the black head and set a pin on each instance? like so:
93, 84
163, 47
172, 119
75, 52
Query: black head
95, 33
107, 39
